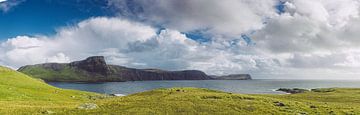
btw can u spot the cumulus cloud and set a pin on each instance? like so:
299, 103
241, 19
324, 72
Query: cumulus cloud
228, 18
86, 38
122, 42
298, 38
317, 35
309, 38
309, 25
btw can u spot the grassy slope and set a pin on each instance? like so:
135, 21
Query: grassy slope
204, 101
63, 75
20, 94
67, 74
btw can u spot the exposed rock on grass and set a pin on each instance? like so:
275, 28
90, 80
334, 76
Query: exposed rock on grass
280, 104
292, 91
48, 112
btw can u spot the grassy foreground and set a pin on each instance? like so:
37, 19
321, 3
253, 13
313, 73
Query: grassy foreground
20, 94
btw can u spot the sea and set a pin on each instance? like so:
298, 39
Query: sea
256, 86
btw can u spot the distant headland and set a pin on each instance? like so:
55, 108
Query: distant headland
95, 69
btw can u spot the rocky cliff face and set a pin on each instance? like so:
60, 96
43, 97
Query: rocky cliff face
94, 64
130, 74
95, 69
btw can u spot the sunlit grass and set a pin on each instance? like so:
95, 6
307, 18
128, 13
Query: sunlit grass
20, 94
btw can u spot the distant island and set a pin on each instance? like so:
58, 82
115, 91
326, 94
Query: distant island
95, 69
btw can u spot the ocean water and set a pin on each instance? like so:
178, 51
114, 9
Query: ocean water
234, 86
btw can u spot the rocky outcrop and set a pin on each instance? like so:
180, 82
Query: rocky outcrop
293, 90
234, 77
95, 64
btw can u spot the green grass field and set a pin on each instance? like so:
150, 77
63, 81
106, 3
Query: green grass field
20, 94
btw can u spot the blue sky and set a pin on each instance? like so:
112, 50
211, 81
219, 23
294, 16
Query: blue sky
34, 17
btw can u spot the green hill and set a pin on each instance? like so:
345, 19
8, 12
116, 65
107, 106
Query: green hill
20, 94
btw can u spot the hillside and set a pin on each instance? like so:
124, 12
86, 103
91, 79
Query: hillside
191, 101
20, 93
95, 69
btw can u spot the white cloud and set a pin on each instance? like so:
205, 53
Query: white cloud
58, 58
311, 39
86, 38
222, 18
122, 42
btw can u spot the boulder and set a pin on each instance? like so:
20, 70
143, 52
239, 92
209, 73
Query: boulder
292, 91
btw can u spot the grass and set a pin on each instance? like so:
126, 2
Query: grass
205, 101
20, 94
67, 73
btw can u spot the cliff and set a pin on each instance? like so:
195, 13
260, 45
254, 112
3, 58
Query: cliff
95, 69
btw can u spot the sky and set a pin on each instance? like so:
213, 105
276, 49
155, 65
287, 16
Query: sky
269, 39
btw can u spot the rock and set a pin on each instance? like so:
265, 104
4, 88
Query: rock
87, 106
292, 91
95, 64
48, 112
279, 104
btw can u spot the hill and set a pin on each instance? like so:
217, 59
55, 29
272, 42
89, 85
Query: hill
95, 69
21, 93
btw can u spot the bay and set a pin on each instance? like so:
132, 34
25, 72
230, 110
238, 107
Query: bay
257, 86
